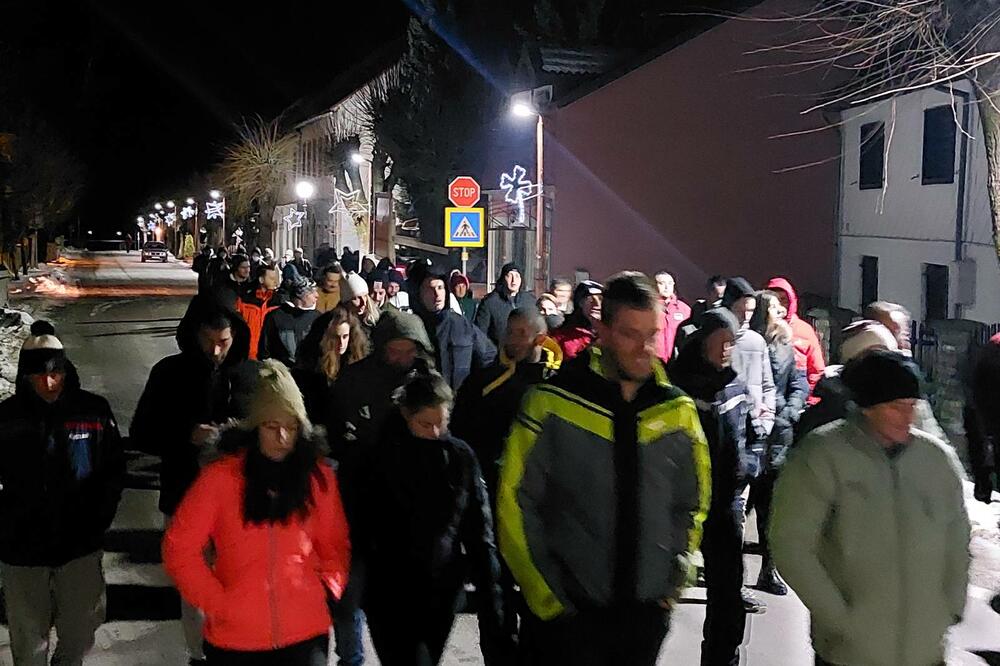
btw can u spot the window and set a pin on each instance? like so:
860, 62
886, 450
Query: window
872, 156
935, 292
939, 145
869, 280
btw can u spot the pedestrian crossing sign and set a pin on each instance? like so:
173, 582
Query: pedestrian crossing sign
463, 227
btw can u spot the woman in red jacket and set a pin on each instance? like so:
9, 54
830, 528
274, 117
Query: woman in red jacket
272, 511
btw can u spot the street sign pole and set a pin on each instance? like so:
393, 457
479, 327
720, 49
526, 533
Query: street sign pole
465, 262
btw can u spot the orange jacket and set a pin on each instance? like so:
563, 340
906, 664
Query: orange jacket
808, 351
254, 308
268, 586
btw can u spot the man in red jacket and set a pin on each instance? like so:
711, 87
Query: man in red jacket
808, 352
674, 312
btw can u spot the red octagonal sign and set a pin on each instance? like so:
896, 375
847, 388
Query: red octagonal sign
464, 192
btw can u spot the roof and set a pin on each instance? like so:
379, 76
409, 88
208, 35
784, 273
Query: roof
688, 26
577, 61
346, 83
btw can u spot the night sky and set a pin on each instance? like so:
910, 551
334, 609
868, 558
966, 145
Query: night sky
147, 93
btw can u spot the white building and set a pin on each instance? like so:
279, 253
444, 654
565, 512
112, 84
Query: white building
915, 225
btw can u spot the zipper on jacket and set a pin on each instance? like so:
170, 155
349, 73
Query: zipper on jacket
900, 642
272, 556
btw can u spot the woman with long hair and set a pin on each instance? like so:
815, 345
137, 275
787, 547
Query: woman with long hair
336, 340
271, 509
426, 523
791, 391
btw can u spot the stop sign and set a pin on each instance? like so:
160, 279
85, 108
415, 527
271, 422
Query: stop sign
464, 191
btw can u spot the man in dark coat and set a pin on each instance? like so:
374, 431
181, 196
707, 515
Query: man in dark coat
286, 328
61, 473
486, 407
702, 370
491, 317
459, 346
200, 266
187, 398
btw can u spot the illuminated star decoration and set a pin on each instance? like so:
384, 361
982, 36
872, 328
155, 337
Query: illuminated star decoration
188, 212
294, 219
170, 219
348, 202
215, 210
516, 188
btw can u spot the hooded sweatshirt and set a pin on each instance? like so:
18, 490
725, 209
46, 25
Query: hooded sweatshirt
491, 317
808, 352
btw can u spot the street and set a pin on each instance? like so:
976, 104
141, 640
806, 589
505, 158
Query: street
117, 317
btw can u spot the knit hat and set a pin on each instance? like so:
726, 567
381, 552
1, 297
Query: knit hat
881, 376
736, 288
863, 335
42, 351
352, 286
275, 395
456, 279
509, 267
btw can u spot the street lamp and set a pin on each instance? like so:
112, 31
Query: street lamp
89, 232
140, 219
157, 206
215, 194
358, 158
170, 204
524, 105
189, 201
304, 190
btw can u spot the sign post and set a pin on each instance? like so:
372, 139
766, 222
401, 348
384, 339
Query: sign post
463, 225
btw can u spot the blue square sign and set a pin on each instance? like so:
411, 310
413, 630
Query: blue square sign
464, 227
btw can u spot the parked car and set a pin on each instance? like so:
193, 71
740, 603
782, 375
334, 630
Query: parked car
154, 250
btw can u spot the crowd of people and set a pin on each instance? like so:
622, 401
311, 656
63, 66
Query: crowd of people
349, 444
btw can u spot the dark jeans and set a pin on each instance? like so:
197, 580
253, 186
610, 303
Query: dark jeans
761, 493
307, 653
602, 637
349, 620
725, 617
408, 634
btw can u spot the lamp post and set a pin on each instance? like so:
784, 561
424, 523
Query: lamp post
304, 190
217, 198
524, 105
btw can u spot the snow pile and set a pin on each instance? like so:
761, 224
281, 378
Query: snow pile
14, 328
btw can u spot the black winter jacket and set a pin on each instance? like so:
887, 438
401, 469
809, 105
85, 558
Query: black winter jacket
487, 404
723, 410
424, 504
283, 332
791, 391
182, 391
459, 345
61, 474
494, 310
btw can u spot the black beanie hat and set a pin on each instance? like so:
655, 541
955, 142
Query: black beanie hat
736, 288
881, 376
584, 289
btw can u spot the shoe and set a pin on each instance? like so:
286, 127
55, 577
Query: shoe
751, 604
770, 582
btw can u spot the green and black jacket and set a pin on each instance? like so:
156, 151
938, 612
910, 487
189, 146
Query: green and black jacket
600, 500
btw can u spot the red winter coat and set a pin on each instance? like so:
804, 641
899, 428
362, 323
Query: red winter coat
675, 311
808, 352
268, 586
573, 339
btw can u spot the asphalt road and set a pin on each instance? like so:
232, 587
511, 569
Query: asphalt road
117, 317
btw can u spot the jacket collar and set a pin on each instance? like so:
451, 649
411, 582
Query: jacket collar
659, 373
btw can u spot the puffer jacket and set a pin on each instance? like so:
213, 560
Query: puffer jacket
791, 391
752, 363
601, 500
61, 473
459, 345
254, 308
876, 546
269, 585
284, 330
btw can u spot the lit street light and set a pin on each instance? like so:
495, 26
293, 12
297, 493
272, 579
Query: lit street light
304, 189
170, 204
189, 201
89, 232
158, 206
357, 158
118, 233
215, 194
140, 219
524, 105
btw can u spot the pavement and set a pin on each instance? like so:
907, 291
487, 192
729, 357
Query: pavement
117, 324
